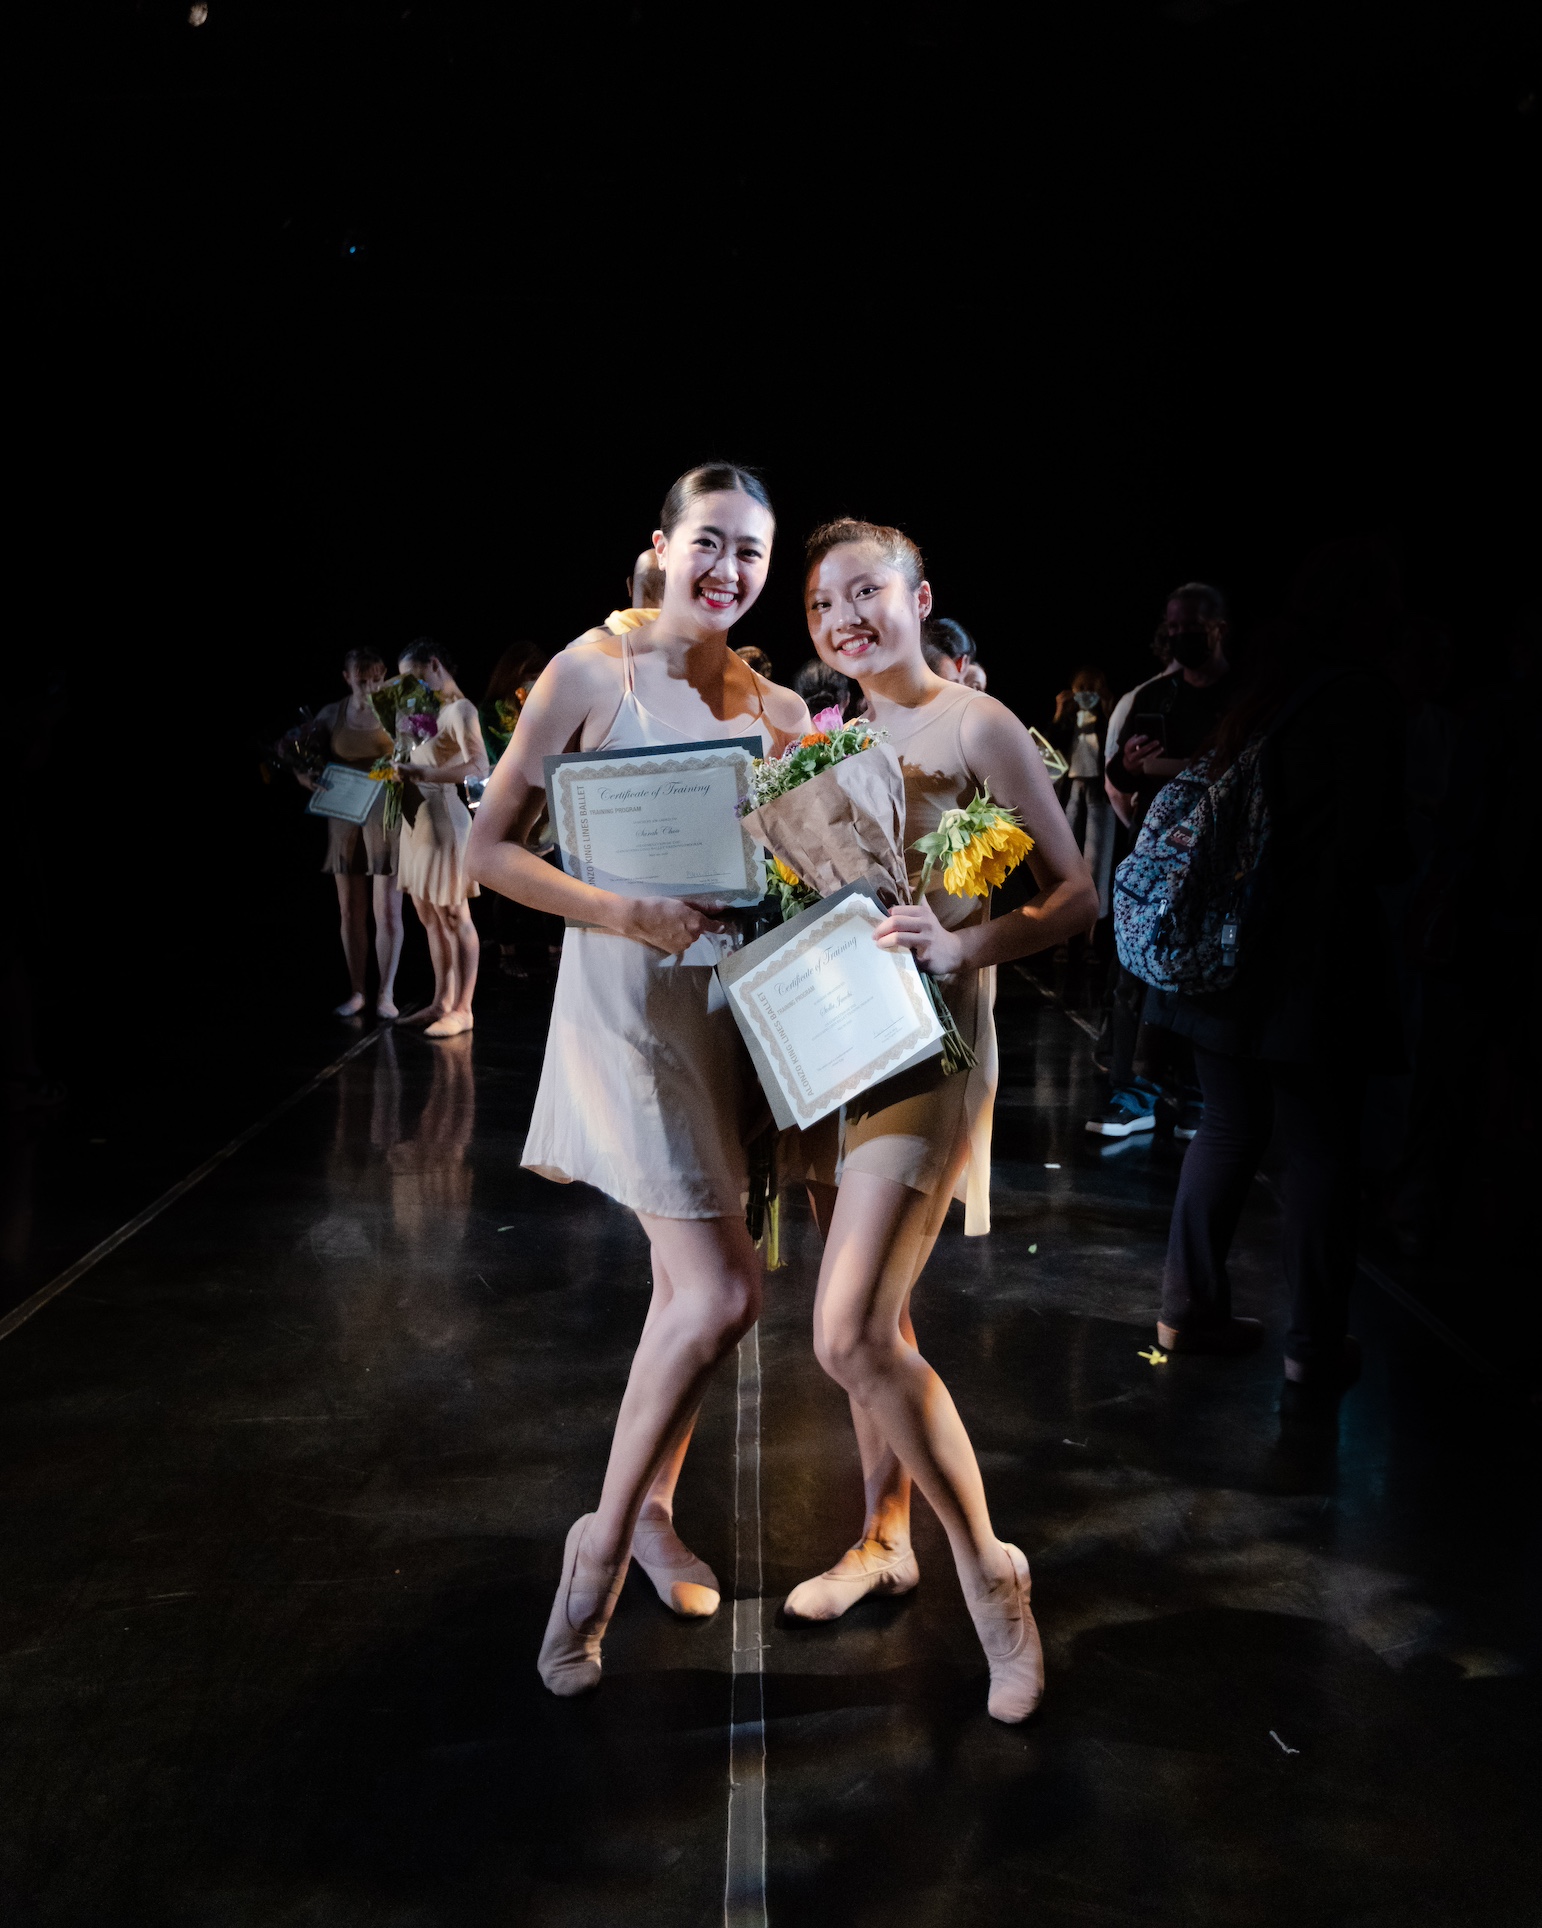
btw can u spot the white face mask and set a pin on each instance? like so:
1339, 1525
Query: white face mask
1086, 700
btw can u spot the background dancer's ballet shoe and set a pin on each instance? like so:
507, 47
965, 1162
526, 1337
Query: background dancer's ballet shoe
450, 1025
569, 1662
386, 1011
1011, 1642
832, 1593
686, 1585
350, 1006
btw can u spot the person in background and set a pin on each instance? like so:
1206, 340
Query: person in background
1283, 1053
529, 942
823, 688
950, 652
362, 856
1155, 732
432, 868
758, 661
1081, 718
645, 596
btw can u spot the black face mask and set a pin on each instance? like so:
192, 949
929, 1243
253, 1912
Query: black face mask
1191, 648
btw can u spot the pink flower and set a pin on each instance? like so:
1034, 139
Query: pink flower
423, 726
830, 719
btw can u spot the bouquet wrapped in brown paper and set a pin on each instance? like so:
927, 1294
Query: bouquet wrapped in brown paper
832, 812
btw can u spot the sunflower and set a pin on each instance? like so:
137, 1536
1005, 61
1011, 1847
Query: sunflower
978, 848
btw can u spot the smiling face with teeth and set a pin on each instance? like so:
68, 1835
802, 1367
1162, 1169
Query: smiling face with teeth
715, 561
863, 615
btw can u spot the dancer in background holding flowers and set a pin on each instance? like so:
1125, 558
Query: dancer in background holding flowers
916, 1141
447, 749
644, 1087
361, 856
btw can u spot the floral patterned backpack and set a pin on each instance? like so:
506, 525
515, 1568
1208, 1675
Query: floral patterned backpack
1188, 893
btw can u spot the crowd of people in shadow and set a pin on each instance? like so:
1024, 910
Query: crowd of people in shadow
1304, 766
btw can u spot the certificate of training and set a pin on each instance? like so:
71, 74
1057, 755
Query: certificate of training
346, 793
658, 822
827, 1014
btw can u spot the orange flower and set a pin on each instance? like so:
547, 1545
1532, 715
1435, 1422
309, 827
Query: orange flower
816, 736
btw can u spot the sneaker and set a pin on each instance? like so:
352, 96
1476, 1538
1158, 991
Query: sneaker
1121, 1119
1187, 1126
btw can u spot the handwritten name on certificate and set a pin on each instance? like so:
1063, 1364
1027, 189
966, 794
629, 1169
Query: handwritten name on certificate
658, 822
826, 1013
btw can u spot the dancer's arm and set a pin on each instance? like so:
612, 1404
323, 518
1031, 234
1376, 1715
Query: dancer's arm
575, 686
1002, 752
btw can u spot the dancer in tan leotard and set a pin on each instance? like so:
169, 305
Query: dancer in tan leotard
923, 1138
362, 857
645, 1084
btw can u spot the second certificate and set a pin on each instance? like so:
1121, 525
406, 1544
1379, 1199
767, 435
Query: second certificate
658, 822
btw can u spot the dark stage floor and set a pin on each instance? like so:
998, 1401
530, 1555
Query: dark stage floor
286, 1479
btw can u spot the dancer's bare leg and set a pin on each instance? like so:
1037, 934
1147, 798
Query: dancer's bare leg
464, 950
441, 956
879, 1234
388, 942
713, 1274
353, 922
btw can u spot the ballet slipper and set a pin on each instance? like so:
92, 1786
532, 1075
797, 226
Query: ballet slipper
450, 1025
569, 1661
430, 1014
386, 1011
832, 1593
350, 1007
1004, 1621
686, 1585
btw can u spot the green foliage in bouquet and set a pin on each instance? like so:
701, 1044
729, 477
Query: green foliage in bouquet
396, 703
829, 742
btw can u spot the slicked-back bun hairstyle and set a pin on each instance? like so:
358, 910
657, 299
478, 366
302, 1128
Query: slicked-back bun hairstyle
423, 651
893, 545
711, 478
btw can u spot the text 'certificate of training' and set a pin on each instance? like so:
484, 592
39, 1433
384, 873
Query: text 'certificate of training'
825, 1012
658, 822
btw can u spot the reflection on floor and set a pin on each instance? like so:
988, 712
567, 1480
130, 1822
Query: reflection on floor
286, 1480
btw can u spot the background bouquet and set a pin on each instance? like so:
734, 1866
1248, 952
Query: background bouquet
409, 710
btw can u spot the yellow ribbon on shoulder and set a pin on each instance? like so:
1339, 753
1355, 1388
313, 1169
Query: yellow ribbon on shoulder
619, 621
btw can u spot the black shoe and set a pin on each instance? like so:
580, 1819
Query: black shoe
1317, 1394
1121, 1117
1228, 1338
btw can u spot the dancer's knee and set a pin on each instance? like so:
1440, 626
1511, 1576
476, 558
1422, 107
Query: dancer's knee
855, 1356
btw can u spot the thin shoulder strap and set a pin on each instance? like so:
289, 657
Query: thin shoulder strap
626, 663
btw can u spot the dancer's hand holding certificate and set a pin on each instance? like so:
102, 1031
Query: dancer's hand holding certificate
825, 1012
661, 821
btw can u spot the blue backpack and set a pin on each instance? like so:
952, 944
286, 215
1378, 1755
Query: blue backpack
1187, 894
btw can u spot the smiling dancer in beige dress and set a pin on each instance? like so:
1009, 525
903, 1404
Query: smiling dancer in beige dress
645, 1086
920, 1139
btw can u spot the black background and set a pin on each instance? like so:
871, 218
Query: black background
363, 321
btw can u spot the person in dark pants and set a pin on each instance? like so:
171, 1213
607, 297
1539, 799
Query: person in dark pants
1284, 1052
1154, 734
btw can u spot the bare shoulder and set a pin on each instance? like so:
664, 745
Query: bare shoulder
786, 711
328, 713
597, 638
988, 724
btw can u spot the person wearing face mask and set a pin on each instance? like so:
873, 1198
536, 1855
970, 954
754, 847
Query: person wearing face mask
433, 860
362, 856
645, 1087
1081, 717
1156, 730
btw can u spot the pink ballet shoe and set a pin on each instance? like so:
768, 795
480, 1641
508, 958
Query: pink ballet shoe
569, 1661
1011, 1642
832, 1593
451, 1025
686, 1585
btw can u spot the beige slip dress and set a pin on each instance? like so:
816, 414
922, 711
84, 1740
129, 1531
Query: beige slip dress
432, 862
646, 1088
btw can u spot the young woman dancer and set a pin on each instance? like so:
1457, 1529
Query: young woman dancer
432, 866
362, 856
911, 1142
644, 1080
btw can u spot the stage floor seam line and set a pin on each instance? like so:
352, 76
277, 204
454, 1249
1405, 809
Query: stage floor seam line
19, 1315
